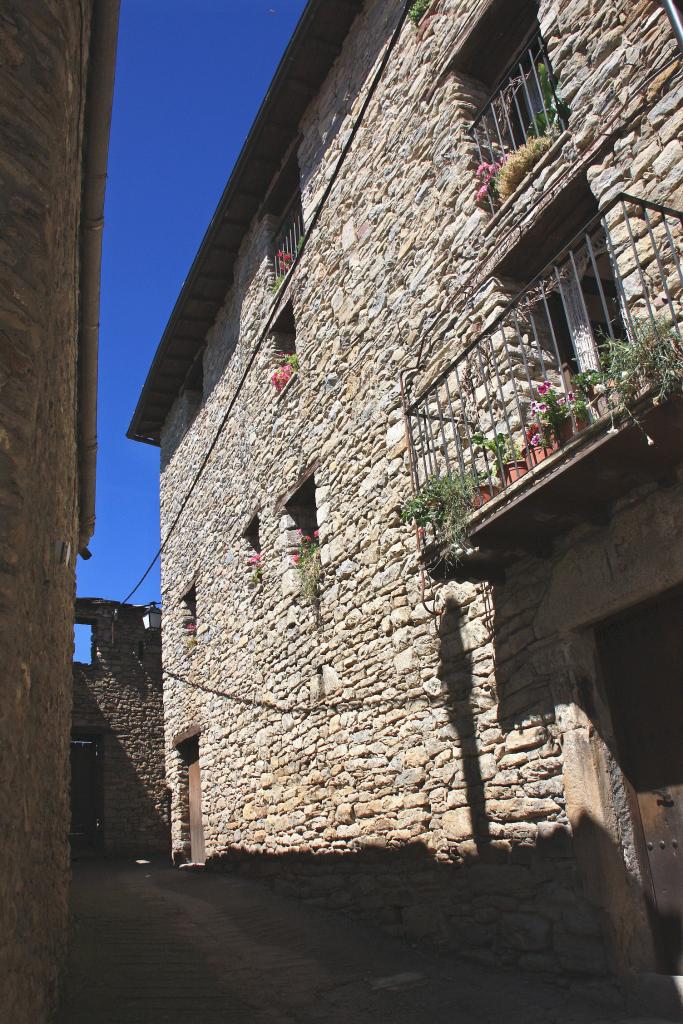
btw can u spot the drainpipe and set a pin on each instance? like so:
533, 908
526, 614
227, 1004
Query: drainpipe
674, 13
99, 93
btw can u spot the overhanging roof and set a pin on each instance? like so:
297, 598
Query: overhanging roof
312, 50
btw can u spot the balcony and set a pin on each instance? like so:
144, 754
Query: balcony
567, 400
287, 240
524, 116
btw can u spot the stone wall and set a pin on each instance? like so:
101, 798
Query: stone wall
425, 771
118, 697
43, 52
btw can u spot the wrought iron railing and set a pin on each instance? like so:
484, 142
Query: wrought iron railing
530, 382
526, 105
288, 239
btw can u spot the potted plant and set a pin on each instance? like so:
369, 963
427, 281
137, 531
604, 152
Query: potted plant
283, 264
556, 415
506, 453
444, 505
650, 361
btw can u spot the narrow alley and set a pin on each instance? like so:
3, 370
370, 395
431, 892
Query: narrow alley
151, 945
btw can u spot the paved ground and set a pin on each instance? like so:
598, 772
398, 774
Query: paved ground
153, 946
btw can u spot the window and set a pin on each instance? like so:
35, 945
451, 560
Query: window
283, 203
284, 331
301, 507
302, 542
84, 642
252, 535
189, 612
284, 345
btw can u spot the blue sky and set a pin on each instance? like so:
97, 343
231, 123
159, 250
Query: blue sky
190, 76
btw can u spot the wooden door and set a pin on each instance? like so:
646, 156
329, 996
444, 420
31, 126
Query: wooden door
85, 793
197, 853
642, 657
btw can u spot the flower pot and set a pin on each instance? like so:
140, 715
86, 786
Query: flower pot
513, 470
486, 492
568, 429
536, 455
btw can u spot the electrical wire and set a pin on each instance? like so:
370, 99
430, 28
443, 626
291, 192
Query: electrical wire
274, 306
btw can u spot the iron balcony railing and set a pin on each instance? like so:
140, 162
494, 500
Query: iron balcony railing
288, 239
486, 417
525, 105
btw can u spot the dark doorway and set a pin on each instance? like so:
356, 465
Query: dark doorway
642, 659
190, 753
86, 824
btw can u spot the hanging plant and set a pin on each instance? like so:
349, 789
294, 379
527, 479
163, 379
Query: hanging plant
445, 504
256, 563
283, 373
418, 10
307, 562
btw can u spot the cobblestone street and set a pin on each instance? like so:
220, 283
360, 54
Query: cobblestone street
151, 945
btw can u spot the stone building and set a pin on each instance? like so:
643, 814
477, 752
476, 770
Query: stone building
56, 80
118, 791
462, 748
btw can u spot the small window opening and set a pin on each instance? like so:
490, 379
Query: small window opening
284, 332
302, 508
252, 535
84, 642
189, 609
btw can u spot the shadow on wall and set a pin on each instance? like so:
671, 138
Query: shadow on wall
534, 878
133, 820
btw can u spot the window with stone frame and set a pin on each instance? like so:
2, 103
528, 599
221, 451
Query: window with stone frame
188, 605
283, 335
520, 110
302, 511
301, 523
252, 536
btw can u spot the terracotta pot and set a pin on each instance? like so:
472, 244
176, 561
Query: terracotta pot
567, 429
513, 470
486, 492
536, 455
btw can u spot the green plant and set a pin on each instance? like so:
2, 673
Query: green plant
307, 562
418, 10
651, 360
556, 112
445, 504
502, 447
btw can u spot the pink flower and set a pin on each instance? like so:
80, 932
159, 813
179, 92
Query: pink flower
281, 376
315, 533
544, 388
255, 559
295, 559
482, 193
536, 440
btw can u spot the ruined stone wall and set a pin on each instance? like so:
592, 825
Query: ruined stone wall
401, 766
118, 697
43, 50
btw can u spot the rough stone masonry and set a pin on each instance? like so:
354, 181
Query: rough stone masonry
46, 124
118, 702
443, 775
